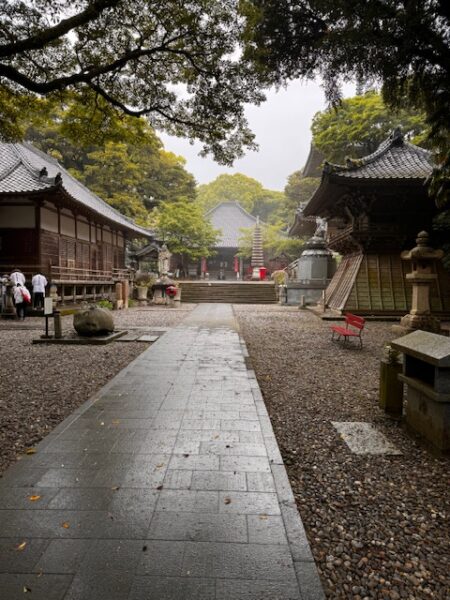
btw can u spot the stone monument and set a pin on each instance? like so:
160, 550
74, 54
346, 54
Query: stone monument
422, 277
164, 259
257, 251
8, 310
93, 321
426, 372
315, 268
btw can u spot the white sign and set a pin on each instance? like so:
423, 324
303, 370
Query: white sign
48, 306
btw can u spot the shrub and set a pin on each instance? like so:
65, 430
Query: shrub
105, 304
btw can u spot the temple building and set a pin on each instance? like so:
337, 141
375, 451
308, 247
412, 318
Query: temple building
378, 204
50, 222
229, 218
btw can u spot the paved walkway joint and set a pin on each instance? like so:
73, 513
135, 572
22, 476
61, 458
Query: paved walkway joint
167, 485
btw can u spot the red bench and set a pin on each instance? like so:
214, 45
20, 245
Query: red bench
353, 328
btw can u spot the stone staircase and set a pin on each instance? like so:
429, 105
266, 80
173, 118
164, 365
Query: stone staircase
244, 292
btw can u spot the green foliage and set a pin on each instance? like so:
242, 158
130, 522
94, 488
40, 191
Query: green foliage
275, 242
121, 159
173, 61
182, 226
402, 44
248, 192
358, 126
297, 191
105, 304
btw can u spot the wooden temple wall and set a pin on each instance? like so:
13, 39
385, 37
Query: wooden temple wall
82, 258
376, 284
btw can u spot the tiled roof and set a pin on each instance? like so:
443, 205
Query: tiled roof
314, 162
395, 158
396, 162
25, 169
230, 217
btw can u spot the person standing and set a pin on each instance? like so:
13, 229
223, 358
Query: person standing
39, 283
22, 297
17, 277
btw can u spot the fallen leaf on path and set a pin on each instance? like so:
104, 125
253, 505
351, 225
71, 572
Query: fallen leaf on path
115, 421
263, 517
160, 466
34, 498
31, 451
185, 455
160, 487
26, 589
144, 548
116, 487
227, 501
66, 525
21, 546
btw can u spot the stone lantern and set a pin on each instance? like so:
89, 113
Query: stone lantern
422, 277
8, 309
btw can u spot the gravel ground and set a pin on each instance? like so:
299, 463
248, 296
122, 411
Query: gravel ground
378, 525
41, 385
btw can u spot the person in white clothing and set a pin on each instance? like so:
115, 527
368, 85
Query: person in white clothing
17, 277
21, 299
39, 283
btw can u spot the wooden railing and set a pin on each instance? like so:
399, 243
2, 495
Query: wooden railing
71, 274
27, 270
85, 275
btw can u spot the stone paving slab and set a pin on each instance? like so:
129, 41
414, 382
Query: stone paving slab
168, 484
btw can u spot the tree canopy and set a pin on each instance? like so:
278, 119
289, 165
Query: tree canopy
249, 192
298, 190
359, 125
119, 157
182, 226
173, 61
402, 44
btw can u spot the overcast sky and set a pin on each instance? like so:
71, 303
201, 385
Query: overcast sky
282, 127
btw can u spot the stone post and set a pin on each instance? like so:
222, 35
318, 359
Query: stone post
391, 388
125, 292
119, 295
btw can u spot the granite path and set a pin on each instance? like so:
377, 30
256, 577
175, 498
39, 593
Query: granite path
168, 484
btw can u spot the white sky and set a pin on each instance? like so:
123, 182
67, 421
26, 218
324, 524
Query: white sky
282, 128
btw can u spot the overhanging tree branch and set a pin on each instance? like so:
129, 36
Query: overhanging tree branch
44, 37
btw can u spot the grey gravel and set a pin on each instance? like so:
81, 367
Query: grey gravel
378, 525
41, 385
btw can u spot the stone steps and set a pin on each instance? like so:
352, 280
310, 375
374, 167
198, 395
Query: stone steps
233, 293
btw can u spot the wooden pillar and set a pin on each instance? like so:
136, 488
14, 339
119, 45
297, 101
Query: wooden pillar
37, 219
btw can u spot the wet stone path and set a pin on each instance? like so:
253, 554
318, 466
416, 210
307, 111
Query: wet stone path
167, 485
